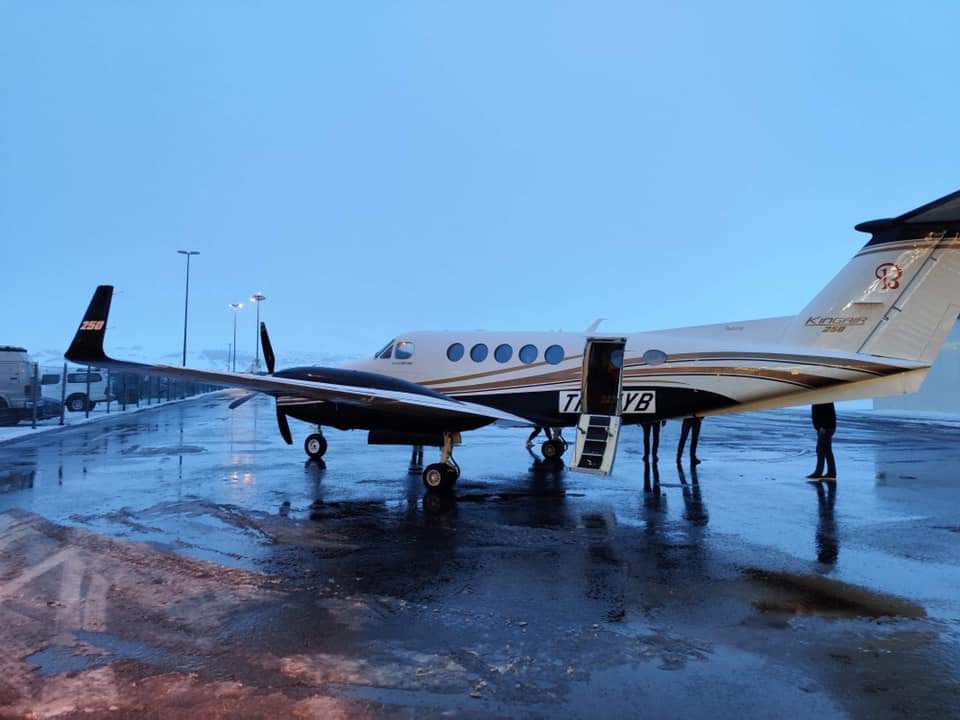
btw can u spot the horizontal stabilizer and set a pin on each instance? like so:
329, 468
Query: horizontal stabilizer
941, 215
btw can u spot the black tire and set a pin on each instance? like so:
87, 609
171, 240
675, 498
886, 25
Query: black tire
77, 403
8, 417
315, 446
552, 449
440, 477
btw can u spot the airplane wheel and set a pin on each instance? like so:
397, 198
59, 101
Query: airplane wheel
440, 476
315, 445
552, 449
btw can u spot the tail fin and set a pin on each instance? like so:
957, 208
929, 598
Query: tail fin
87, 345
899, 296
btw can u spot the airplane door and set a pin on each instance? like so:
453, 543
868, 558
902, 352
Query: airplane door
598, 428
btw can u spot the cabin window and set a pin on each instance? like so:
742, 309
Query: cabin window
478, 353
403, 350
553, 354
654, 357
503, 353
528, 354
50, 379
455, 352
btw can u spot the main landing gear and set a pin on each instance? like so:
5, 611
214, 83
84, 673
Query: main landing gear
555, 446
443, 475
315, 446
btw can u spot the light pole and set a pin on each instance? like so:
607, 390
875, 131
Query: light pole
186, 300
258, 297
236, 307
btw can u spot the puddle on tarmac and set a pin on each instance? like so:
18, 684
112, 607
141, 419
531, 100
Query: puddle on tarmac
56, 659
793, 593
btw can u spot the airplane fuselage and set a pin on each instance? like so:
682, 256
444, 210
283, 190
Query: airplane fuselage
537, 375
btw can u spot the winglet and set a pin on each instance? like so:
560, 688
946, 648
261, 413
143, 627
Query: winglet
87, 345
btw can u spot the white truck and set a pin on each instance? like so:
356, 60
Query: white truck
75, 398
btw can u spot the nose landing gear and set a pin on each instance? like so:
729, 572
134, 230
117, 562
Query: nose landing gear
555, 446
315, 446
443, 475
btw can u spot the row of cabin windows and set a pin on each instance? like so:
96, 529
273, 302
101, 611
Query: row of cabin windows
403, 350
504, 353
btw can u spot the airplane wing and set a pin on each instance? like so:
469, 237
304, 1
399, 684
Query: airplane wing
87, 349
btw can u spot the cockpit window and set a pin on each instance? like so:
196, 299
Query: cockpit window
403, 350
386, 352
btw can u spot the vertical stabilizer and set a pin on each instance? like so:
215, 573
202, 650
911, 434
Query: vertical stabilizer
899, 296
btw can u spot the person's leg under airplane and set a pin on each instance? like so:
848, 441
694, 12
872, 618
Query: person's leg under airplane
656, 440
817, 474
695, 440
831, 474
684, 432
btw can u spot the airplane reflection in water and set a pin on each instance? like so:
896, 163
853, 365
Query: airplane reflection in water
542, 501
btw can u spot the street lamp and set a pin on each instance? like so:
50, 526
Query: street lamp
186, 300
236, 307
258, 298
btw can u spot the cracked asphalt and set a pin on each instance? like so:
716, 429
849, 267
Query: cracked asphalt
184, 562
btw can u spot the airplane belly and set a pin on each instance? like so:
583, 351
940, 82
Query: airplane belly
349, 417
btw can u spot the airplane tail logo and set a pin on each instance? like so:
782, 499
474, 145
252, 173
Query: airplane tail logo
889, 275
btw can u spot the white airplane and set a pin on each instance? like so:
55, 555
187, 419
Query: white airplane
874, 330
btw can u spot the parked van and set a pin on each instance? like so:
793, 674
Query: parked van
75, 398
15, 375
16, 389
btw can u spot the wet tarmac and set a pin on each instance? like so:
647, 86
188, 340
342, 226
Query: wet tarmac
184, 562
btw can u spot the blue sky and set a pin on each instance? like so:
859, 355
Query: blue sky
376, 167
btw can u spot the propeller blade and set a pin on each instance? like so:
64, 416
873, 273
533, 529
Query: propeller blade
241, 400
268, 356
284, 426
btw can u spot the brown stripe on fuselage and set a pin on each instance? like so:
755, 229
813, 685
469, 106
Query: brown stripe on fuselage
489, 373
659, 374
804, 379
864, 366
560, 376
